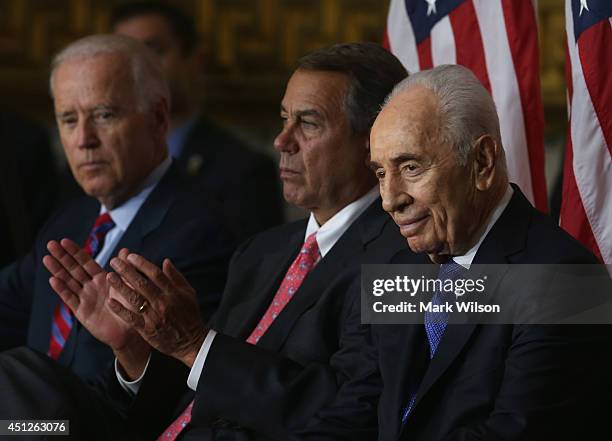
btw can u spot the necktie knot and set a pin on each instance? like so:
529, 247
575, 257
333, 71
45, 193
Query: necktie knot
103, 224
104, 220
450, 270
310, 249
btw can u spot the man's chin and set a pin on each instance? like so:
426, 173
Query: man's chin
97, 189
95, 183
417, 245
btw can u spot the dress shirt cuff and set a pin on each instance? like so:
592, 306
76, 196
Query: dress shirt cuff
131, 387
198, 364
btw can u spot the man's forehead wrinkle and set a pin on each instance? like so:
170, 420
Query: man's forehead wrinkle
308, 112
293, 105
317, 104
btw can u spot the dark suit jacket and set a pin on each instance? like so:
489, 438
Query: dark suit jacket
498, 382
277, 387
243, 182
171, 223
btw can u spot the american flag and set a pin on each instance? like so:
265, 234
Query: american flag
498, 41
586, 209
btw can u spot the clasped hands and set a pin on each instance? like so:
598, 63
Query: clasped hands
137, 307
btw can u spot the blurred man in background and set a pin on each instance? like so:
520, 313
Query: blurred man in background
244, 182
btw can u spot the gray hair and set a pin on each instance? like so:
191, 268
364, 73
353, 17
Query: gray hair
466, 109
148, 79
372, 72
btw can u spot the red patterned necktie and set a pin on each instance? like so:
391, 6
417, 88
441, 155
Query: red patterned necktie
305, 261
62, 317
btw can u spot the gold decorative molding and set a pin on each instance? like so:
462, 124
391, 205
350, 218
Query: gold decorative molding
250, 46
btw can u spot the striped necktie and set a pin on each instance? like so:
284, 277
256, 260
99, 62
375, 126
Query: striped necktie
62, 317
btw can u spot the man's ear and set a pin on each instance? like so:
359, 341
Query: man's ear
367, 147
485, 156
160, 114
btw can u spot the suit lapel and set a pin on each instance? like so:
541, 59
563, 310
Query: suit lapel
509, 234
350, 246
256, 304
150, 215
308, 293
408, 360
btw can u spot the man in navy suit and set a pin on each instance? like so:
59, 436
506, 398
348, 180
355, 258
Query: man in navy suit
111, 105
437, 152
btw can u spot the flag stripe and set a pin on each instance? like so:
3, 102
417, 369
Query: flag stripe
401, 36
591, 163
443, 43
505, 90
424, 50
470, 51
523, 41
573, 217
386, 44
596, 59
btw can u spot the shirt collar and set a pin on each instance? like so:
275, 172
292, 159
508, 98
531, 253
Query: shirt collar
125, 213
329, 233
467, 258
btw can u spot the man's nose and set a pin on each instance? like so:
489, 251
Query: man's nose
87, 136
285, 140
393, 193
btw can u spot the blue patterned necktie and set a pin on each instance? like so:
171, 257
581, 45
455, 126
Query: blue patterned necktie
435, 322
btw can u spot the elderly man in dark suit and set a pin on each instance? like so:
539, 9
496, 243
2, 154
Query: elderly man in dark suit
111, 106
243, 181
437, 152
285, 318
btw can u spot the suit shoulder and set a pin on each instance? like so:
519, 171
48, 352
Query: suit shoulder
72, 211
276, 236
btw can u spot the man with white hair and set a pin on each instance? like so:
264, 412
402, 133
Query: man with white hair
437, 152
111, 106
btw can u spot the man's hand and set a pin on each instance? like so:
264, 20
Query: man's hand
81, 284
159, 303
